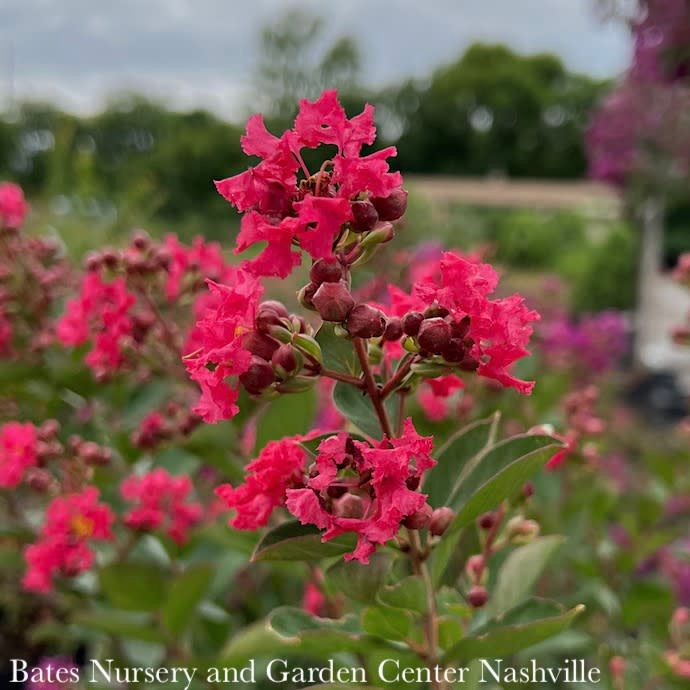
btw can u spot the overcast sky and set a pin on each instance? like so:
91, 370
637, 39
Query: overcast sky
201, 52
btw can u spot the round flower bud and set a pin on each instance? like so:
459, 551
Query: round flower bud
528, 490
434, 335
327, 270
275, 306
475, 566
49, 429
260, 344
454, 351
284, 358
306, 296
392, 206
420, 519
487, 520
38, 479
478, 596
141, 240
411, 322
349, 506
366, 322
469, 363
434, 310
460, 329
440, 521
412, 483
364, 216
394, 329
258, 377
333, 301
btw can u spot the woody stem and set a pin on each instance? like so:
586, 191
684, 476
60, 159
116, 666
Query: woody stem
372, 387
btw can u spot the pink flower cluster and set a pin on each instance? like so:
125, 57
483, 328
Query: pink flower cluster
161, 502
351, 486
310, 213
13, 206
18, 452
121, 308
459, 321
71, 522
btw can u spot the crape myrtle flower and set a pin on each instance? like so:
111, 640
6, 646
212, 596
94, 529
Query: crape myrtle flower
161, 502
18, 452
71, 522
123, 307
290, 209
451, 316
368, 488
13, 206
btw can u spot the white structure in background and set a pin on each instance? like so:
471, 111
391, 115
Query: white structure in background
662, 304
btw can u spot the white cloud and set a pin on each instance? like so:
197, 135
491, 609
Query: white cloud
201, 52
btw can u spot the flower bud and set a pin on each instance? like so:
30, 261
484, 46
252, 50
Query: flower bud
306, 296
284, 359
411, 322
270, 314
393, 330
454, 351
366, 322
487, 520
141, 240
412, 483
38, 479
349, 506
469, 363
383, 233
49, 429
420, 519
440, 521
477, 597
522, 531
326, 270
260, 344
275, 306
434, 335
392, 206
434, 310
258, 377
475, 567
460, 329
333, 301
364, 216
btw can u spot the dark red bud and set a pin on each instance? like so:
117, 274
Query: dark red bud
141, 240
434, 310
93, 262
528, 490
260, 344
440, 521
38, 479
285, 358
454, 351
420, 519
49, 429
258, 377
265, 318
333, 301
487, 520
469, 363
365, 321
411, 322
364, 216
412, 483
478, 596
459, 329
434, 335
392, 206
327, 270
349, 506
394, 329
306, 295
274, 306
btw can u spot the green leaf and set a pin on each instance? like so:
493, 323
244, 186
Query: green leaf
520, 572
386, 623
355, 405
361, 582
286, 415
409, 594
292, 541
507, 639
134, 586
120, 624
497, 476
187, 590
454, 457
493, 460
338, 353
